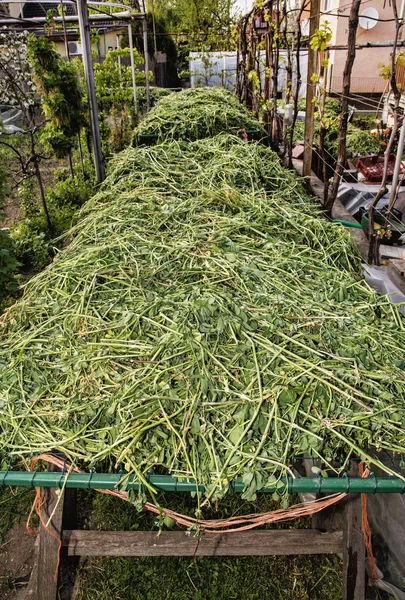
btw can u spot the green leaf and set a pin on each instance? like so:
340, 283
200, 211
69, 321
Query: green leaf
195, 425
235, 434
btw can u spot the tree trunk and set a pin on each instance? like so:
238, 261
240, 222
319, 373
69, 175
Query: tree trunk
288, 84
268, 63
81, 155
310, 95
71, 165
250, 94
347, 73
375, 240
42, 194
298, 82
276, 64
322, 152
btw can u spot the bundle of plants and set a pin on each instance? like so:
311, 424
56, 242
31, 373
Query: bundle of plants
195, 114
358, 142
205, 322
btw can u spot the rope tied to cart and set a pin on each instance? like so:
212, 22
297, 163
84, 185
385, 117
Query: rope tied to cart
365, 472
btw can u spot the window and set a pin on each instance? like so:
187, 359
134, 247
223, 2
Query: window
328, 5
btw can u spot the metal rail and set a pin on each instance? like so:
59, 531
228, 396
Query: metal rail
120, 16
116, 481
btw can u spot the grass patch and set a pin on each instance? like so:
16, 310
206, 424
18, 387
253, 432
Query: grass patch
255, 578
102, 512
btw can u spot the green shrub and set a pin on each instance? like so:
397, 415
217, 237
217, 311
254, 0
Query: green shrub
155, 94
8, 261
361, 142
32, 240
332, 107
358, 142
8, 267
67, 192
31, 243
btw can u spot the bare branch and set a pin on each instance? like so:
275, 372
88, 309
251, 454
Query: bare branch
14, 150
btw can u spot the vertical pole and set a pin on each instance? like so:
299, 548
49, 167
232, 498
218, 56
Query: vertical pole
131, 50
309, 105
145, 51
62, 12
119, 57
354, 552
401, 13
154, 30
81, 155
155, 52
84, 27
398, 161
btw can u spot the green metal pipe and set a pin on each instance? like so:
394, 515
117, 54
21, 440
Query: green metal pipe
111, 481
348, 223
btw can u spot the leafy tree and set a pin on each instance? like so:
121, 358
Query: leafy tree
318, 43
206, 24
113, 79
61, 95
115, 97
18, 90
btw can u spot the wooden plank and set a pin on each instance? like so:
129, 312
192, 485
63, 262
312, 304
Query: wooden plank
354, 555
48, 546
179, 543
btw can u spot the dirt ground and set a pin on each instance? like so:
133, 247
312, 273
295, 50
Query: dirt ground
16, 562
17, 558
12, 212
12, 207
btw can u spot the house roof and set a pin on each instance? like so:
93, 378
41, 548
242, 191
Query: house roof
32, 8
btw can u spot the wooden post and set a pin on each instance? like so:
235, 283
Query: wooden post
309, 105
46, 584
354, 554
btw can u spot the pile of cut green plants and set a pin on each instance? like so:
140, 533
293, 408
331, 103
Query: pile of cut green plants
195, 114
205, 322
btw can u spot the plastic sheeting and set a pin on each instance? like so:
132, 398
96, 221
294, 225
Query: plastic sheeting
386, 515
219, 68
379, 279
354, 196
8, 118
